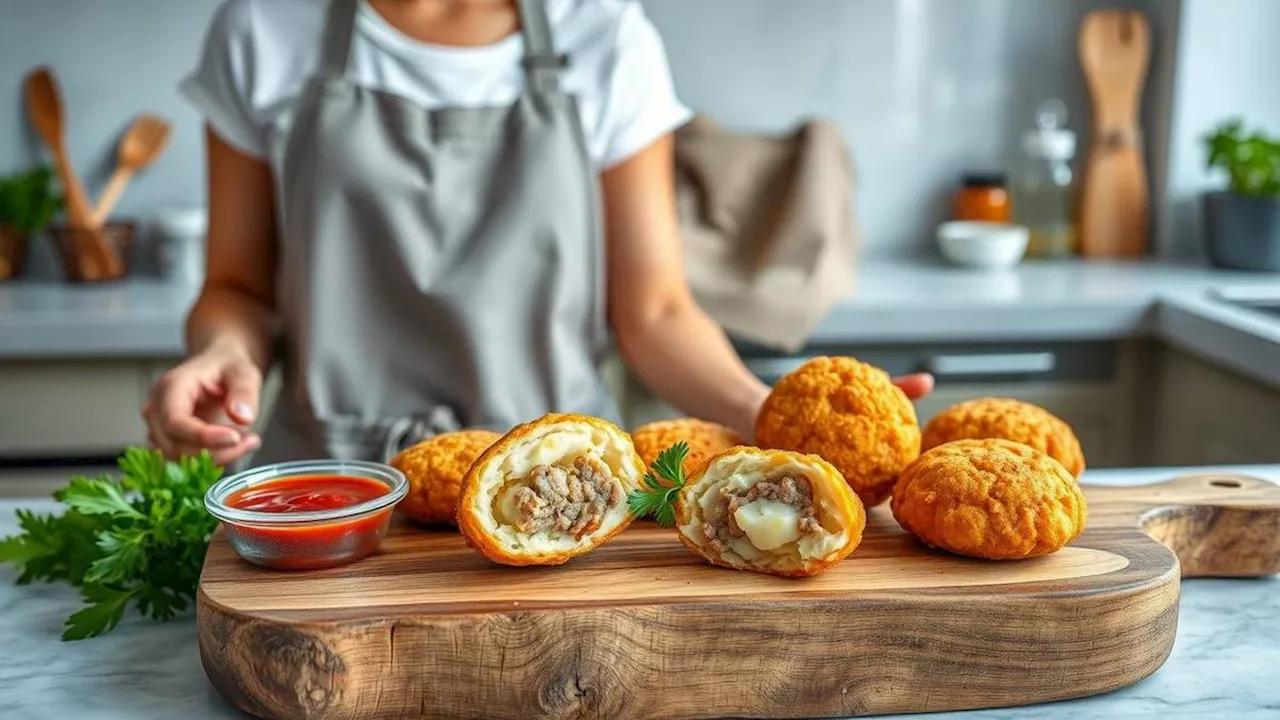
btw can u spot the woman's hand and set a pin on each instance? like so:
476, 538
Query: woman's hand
187, 406
916, 385
209, 401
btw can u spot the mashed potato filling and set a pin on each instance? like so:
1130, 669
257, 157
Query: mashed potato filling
556, 487
569, 499
762, 512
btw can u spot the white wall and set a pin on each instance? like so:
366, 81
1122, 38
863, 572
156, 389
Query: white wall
1228, 65
923, 89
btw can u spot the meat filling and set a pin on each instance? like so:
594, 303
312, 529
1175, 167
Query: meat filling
722, 527
572, 500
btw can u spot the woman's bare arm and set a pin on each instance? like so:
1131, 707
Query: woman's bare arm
236, 308
673, 346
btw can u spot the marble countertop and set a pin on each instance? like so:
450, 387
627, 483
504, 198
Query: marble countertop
1223, 664
894, 301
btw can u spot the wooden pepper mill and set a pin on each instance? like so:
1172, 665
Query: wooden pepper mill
1115, 52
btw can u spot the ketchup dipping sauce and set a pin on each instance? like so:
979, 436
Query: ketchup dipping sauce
307, 515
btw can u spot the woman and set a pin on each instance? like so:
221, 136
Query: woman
435, 209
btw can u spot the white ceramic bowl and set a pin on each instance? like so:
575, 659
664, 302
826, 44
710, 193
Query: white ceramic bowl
982, 244
181, 223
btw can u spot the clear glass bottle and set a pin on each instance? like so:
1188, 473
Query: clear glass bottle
1044, 186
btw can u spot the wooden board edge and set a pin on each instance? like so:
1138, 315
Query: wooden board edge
870, 655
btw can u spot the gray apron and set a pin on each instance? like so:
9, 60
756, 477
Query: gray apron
438, 268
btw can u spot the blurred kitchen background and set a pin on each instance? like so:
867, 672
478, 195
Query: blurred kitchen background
1160, 344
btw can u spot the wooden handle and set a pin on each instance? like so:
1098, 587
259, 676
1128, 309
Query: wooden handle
77, 203
1218, 525
111, 195
1114, 203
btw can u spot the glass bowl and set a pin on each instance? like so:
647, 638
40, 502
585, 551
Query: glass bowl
312, 539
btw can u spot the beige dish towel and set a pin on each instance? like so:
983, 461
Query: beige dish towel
770, 239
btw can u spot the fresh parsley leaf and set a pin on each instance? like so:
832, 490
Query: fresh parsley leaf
140, 537
101, 616
100, 496
123, 559
658, 494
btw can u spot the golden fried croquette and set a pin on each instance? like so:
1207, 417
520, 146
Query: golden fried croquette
850, 414
704, 439
434, 468
1008, 419
993, 499
770, 511
549, 490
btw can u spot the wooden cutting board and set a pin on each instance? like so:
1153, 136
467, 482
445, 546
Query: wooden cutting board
641, 628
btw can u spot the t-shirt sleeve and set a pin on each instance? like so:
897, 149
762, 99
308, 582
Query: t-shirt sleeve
221, 84
641, 103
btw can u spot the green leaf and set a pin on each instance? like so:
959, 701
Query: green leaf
160, 603
18, 550
28, 200
99, 496
142, 537
123, 558
658, 495
1251, 162
101, 616
669, 465
142, 469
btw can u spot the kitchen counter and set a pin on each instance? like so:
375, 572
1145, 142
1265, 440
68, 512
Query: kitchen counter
894, 301
1223, 663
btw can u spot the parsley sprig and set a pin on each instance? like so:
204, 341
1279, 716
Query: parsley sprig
137, 538
657, 494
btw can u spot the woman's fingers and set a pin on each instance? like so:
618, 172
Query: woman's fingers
243, 383
916, 385
226, 456
172, 418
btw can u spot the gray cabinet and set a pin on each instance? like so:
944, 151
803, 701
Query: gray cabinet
1205, 415
78, 408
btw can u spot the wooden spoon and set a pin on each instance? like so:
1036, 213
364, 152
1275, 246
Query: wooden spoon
1115, 50
44, 109
142, 143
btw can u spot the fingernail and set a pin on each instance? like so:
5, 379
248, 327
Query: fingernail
226, 439
243, 411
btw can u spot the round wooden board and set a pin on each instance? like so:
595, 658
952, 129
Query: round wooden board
641, 628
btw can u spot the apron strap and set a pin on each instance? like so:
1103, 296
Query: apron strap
541, 63
339, 24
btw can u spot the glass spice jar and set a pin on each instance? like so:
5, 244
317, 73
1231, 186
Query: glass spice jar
982, 197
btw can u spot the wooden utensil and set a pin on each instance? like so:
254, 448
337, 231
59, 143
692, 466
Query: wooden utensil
44, 108
1115, 49
642, 628
142, 143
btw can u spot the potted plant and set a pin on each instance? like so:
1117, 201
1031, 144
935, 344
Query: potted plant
28, 201
1242, 224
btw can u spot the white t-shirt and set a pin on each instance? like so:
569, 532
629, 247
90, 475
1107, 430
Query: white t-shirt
259, 54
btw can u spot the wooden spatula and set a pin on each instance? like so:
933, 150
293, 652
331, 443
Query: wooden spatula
1115, 50
44, 109
142, 143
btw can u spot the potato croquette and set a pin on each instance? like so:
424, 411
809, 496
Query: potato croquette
704, 438
1007, 419
770, 511
434, 468
850, 414
993, 499
549, 490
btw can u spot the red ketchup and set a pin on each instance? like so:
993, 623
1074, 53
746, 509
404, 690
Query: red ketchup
296, 547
